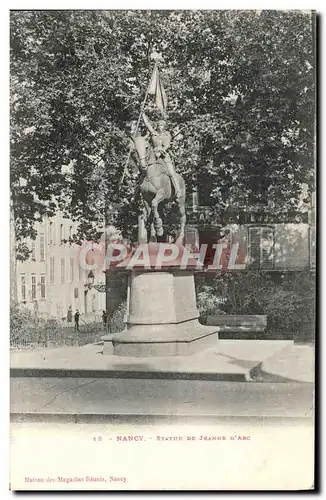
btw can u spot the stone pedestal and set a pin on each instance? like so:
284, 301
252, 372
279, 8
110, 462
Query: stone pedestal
162, 316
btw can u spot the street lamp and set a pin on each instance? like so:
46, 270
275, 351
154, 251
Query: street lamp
90, 281
90, 284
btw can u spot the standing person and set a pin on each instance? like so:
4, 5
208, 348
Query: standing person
105, 318
69, 315
77, 314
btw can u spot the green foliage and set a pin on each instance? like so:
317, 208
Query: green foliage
116, 319
31, 330
208, 302
27, 328
240, 88
287, 299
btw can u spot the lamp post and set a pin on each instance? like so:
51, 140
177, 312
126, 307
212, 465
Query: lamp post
90, 281
88, 286
102, 288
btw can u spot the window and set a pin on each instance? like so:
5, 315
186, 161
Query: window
261, 246
51, 233
208, 237
33, 286
70, 231
81, 273
76, 293
205, 183
33, 250
42, 280
61, 233
72, 264
52, 270
62, 278
192, 237
254, 246
23, 286
195, 200
42, 250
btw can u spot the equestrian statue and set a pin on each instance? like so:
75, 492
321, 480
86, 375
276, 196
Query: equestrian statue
159, 181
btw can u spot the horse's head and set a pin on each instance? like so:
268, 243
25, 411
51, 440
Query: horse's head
141, 147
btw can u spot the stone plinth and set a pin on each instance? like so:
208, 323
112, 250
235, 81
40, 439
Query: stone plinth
162, 316
161, 298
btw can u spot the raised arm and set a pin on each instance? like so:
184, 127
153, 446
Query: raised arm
149, 125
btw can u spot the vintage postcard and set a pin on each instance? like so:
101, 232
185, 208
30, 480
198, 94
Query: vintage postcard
162, 251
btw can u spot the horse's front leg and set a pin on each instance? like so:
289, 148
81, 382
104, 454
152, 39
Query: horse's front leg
153, 232
182, 212
143, 222
158, 224
148, 209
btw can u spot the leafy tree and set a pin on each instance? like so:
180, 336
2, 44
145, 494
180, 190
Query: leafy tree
241, 96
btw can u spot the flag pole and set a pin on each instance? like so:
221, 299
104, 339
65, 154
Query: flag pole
138, 123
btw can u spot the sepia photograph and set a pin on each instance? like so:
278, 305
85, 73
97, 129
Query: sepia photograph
162, 250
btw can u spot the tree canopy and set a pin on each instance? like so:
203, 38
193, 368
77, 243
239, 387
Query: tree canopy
241, 95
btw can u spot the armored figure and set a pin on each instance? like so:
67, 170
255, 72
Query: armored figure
150, 155
161, 141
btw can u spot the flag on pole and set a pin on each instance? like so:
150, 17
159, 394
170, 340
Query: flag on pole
147, 122
156, 88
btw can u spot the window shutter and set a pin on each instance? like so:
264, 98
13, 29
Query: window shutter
63, 270
72, 264
42, 286
192, 236
267, 246
254, 246
33, 250
42, 247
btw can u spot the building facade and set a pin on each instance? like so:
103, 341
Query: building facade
52, 279
287, 243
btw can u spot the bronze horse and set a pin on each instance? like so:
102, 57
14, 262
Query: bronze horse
155, 187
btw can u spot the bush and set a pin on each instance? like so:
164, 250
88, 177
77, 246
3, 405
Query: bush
116, 320
27, 328
208, 302
288, 299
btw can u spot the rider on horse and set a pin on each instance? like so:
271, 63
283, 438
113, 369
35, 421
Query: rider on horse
161, 140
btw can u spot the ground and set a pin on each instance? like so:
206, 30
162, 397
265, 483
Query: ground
128, 423
239, 378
